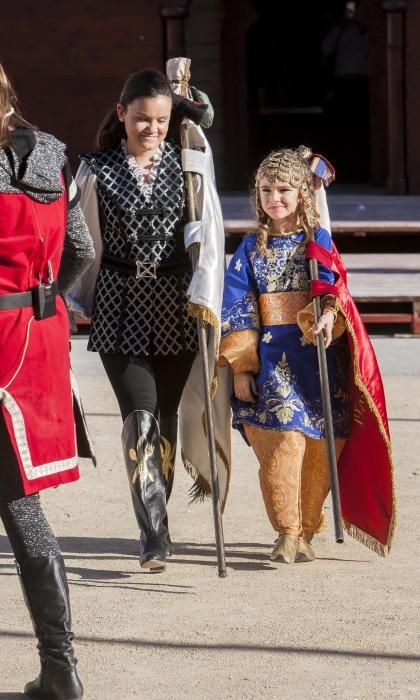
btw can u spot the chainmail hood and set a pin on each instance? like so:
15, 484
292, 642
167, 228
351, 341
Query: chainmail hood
42, 179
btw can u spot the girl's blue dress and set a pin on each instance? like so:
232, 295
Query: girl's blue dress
289, 394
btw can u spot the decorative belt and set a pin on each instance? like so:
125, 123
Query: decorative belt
281, 308
143, 269
41, 298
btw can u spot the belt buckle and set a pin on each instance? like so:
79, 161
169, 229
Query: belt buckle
145, 270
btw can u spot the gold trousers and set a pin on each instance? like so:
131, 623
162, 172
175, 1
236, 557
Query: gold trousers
294, 478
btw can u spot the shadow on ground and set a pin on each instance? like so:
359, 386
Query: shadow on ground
223, 648
121, 549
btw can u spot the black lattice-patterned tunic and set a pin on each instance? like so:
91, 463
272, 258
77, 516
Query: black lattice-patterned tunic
140, 297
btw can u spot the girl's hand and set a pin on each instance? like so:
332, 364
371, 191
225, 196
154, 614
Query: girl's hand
326, 325
244, 386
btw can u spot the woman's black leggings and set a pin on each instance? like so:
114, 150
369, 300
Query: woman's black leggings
22, 516
144, 383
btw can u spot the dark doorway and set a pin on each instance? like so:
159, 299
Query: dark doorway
308, 83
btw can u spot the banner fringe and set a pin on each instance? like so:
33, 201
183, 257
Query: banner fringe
200, 490
369, 541
203, 313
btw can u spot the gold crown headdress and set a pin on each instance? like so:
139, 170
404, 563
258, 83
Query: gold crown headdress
286, 165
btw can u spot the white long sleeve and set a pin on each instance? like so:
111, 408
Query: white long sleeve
80, 296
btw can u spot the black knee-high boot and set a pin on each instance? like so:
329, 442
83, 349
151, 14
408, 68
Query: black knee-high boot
143, 459
46, 593
168, 440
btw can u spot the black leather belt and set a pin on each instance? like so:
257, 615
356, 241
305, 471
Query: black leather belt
143, 269
21, 300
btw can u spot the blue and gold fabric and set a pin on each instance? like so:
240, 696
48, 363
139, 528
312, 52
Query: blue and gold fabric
263, 295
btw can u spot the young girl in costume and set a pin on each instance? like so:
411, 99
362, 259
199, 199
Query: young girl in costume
268, 340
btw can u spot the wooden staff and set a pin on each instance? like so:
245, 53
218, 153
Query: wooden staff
326, 409
208, 405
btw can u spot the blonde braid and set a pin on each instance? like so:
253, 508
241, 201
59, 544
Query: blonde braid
263, 225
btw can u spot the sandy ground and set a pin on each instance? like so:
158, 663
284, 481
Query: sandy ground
345, 626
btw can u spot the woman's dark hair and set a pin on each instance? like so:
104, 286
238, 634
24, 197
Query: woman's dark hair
144, 83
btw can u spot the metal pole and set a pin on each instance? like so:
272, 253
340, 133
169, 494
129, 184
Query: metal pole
202, 344
326, 409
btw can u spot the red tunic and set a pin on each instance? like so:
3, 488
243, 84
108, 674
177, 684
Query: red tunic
35, 380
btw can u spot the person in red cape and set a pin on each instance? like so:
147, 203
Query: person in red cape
268, 340
44, 246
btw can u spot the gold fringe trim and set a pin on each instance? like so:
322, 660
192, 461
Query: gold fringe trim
353, 531
204, 314
201, 488
369, 541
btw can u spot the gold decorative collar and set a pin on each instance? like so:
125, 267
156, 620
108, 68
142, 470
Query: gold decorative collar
285, 233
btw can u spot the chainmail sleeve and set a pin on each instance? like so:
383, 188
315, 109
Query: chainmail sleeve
78, 251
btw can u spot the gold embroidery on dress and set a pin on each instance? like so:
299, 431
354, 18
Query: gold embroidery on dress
281, 269
282, 397
281, 308
288, 405
244, 310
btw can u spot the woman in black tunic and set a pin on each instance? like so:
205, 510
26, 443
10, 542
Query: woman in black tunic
133, 198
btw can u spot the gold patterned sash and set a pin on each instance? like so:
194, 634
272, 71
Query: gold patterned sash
281, 308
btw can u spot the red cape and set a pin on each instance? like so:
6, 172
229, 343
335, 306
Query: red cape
365, 469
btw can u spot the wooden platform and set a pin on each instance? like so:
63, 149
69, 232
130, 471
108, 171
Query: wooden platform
386, 287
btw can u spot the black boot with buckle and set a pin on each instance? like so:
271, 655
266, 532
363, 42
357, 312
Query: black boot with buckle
143, 459
46, 593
